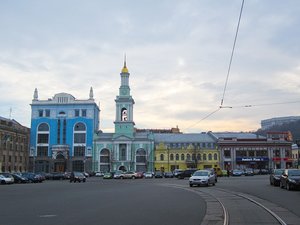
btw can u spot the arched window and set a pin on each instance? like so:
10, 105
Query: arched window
215, 156
79, 127
182, 157
79, 139
198, 157
188, 157
141, 156
171, 157
43, 127
43, 139
209, 156
204, 156
104, 160
162, 158
177, 157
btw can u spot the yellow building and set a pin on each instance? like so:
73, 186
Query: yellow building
182, 151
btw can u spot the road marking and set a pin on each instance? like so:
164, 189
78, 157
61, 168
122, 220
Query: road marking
47, 216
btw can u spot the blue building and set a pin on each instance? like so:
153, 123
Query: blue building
126, 149
62, 130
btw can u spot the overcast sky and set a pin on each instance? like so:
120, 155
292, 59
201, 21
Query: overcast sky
177, 51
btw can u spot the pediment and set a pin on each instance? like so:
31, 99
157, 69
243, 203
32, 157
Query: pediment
122, 137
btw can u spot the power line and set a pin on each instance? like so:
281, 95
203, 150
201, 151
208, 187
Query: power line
232, 52
205, 117
261, 105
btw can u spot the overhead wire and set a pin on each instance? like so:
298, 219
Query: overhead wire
232, 53
228, 72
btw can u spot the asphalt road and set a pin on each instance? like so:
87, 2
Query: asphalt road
128, 202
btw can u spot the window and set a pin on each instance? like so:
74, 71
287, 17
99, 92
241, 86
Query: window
122, 152
43, 138
227, 153
40, 113
43, 127
79, 150
209, 156
79, 127
177, 156
76, 112
58, 131
182, 156
215, 156
83, 112
204, 156
141, 156
198, 157
42, 151
47, 111
171, 157
188, 157
162, 158
79, 138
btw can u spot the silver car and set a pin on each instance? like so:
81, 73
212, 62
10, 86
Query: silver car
202, 177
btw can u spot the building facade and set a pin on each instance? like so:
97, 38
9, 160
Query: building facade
126, 149
268, 123
62, 131
183, 151
247, 150
14, 146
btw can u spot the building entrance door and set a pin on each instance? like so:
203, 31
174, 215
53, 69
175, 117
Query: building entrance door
59, 167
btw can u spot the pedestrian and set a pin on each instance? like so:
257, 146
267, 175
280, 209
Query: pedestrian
228, 172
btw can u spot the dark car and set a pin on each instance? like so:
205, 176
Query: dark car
19, 179
275, 176
168, 175
158, 174
77, 176
32, 177
186, 173
290, 179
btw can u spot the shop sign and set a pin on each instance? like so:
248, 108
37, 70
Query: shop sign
252, 159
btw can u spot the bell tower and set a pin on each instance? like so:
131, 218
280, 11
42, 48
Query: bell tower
124, 124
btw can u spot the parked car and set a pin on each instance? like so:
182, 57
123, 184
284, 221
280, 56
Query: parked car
57, 176
237, 173
128, 175
6, 178
108, 175
290, 179
186, 173
158, 174
177, 172
18, 179
168, 175
99, 174
275, 176
77, 176
139, 174
202, 177
118, 174
32, 177
148, 175
248, 172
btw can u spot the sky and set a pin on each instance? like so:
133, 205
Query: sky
177, 53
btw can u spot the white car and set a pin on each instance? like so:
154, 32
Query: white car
202, 177
6, 179
148, 175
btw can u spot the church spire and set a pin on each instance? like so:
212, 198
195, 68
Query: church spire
124, 70
91, 94
35, 95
